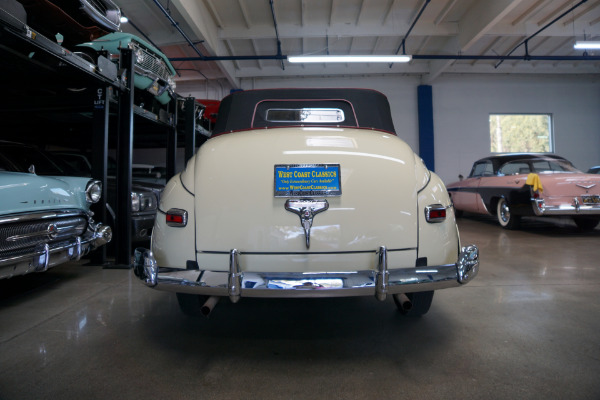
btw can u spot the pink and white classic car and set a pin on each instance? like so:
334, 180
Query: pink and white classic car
514, 185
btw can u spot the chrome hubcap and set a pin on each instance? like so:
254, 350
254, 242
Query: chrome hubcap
505, 212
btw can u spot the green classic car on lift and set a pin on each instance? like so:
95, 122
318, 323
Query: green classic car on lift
153, 71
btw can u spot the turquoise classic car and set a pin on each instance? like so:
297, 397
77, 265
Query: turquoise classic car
45, 220
153, 71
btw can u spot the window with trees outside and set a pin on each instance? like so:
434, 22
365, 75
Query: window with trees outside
521, 133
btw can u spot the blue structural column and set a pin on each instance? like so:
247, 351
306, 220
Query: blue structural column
426, 140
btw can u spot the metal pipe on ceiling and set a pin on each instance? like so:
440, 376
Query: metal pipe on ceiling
202, 57
403, 43
276, 33
230, 58
503, 58
526, 41
414, 57
176, 25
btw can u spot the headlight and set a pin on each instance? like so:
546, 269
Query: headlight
93, 191
143, 201
139, 56
171, 82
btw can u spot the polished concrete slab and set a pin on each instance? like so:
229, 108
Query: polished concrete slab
526, 328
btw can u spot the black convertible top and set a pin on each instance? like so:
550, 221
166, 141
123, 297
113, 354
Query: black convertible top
361, 108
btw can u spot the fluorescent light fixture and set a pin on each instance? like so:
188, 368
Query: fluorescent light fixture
349, 59
587, 44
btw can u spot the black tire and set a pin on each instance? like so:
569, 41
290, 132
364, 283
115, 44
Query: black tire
421, 302
191, 304
586, 224
89, 55
506, 219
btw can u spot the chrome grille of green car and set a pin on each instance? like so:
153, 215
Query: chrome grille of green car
15, 236
152, 63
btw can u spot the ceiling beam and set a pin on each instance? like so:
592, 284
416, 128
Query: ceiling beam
549, 17
255, 49
447, 8
292, 31
527, 13
415, 68
333, 7
529, 28
494, 42
388, 11
199, 20
579, 16
245, 13
480, 18
360, 12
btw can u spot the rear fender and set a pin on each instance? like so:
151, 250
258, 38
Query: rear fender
174, 246
439, 241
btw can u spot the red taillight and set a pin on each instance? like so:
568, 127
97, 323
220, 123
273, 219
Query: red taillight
176, 217
435, 213
536, 195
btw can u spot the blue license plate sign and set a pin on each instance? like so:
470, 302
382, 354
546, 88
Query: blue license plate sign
307, 180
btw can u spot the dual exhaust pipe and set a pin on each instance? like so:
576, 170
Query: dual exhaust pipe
212, 301
208, 305
403, 301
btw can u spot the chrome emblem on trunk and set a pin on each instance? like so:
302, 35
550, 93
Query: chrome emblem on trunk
587, 188
306, 209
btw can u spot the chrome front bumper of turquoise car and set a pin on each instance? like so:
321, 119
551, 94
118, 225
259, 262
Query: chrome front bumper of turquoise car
50, 254
237, 283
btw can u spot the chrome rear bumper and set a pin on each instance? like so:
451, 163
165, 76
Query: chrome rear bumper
236, 283
576, 208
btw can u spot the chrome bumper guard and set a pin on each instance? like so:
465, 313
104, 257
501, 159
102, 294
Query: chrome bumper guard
48, 255
576, 208
236, 283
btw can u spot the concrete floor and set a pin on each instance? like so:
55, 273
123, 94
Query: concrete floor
528, 327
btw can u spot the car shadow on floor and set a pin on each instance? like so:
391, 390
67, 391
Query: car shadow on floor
322, 330
552, 227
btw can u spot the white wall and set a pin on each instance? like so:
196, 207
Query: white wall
462, 104
212, 90
461, 108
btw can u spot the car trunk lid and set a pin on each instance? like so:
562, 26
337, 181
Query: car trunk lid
237, 207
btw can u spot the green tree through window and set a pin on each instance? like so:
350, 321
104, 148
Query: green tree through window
516, 133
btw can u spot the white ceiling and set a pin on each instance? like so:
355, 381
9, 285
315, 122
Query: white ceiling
240, 28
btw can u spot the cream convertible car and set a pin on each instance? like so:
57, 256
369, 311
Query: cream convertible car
305, 193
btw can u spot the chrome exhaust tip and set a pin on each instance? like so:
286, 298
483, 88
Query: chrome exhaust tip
403, 301
208, 305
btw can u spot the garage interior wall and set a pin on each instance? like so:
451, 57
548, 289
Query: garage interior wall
462, 104
461, 108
